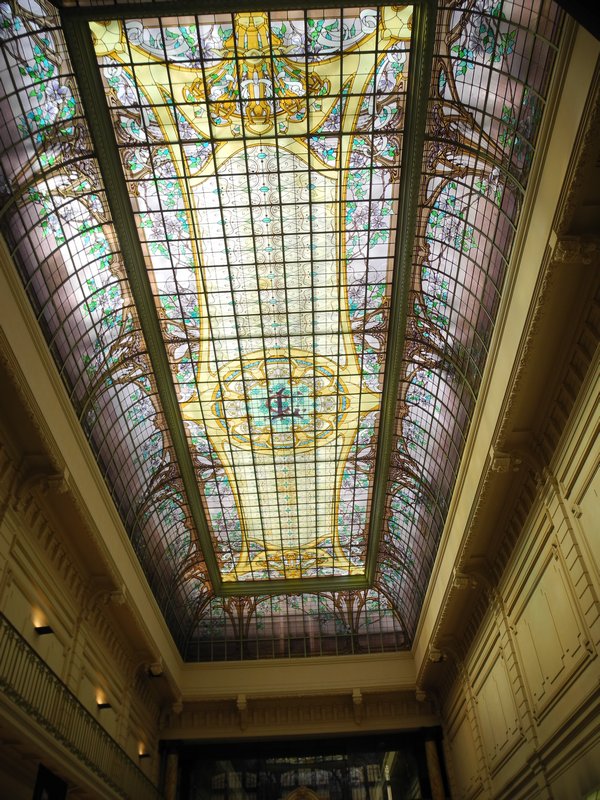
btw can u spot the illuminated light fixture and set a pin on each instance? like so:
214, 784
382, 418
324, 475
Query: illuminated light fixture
101, 701
40, 622
142, 752
42, 630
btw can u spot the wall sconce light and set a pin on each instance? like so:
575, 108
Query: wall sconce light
42, 630
144, 754
101, 701
40, 621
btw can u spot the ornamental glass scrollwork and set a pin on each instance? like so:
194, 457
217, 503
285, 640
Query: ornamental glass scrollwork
262, 153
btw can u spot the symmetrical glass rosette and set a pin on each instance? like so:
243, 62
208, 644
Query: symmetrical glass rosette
262, 150
491, 69
56, 222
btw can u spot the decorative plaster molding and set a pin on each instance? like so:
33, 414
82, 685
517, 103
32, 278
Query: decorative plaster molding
242, 708
103, 593
268, 716
118, 597
576, 510
435, 655
29, 403
576, 250
177, 706
156, 668
36, 475
463, 580
538, 309
91, 596
503, 462
357, 702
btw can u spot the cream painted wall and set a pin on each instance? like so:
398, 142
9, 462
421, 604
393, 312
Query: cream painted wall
522, 719
38, 578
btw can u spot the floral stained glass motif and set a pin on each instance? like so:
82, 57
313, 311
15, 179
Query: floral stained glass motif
490, 73
58, 227
262, 153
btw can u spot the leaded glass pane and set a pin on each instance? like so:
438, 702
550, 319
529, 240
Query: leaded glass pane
261, 153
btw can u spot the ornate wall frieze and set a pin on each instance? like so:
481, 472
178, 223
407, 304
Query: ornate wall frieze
251, 715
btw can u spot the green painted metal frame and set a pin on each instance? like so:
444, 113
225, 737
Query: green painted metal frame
413, 143
75, 25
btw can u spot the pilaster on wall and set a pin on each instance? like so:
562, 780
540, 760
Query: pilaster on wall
528, 688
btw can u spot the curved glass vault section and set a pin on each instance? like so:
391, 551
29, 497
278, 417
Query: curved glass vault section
264, 160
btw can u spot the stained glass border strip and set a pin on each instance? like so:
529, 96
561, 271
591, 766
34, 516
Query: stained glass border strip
76, 10
422, 46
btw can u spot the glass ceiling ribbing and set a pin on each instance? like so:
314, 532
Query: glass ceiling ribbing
317, 241
258, 155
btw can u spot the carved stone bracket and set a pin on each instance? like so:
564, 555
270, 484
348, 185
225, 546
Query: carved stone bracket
177, 706
102, 593
576, 250
504, 462
156, 668
435, 655
37, 475
242, 708
463, 580
118, 597
260, 716
479, 571
357, 704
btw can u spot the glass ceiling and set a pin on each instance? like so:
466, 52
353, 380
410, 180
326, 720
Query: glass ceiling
274, 323
258, 155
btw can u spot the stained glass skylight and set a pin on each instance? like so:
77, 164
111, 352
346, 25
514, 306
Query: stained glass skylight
274, 321
259, 150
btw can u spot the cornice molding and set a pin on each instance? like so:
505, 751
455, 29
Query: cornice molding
584, 156
537, 312
20, 334
518, 280
245, 716
481, 572
30, 405
29, 516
